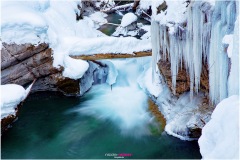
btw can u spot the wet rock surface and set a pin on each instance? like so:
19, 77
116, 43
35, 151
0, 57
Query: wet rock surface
183, 79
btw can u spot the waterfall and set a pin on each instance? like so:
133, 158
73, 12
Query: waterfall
121, 101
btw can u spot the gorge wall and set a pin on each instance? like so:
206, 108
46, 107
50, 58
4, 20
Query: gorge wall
189, 47
191, 55
22, 64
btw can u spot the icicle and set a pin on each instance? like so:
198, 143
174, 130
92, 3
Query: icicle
199, 41
223, 20
233, 82
155, 33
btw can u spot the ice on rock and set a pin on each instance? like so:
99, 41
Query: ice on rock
112, 73
197, 43
228, 39
218, 59
146, 83
233, 80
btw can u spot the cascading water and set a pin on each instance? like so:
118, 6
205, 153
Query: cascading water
122, 102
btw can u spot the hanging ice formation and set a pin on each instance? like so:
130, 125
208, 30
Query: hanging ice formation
155, 49
196, 42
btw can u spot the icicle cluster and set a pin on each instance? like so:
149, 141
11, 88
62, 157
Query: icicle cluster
197, 42
223, 20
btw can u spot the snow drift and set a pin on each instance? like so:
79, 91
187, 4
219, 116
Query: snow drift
11, 96
220, 136
48, 21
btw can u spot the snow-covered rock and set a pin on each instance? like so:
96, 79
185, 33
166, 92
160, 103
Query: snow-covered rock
74, 68
50, 22
128, 26
128, 19
220, 136
11, 96
146, 82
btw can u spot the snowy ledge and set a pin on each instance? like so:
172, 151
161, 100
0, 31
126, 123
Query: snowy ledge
113, 55
12, 96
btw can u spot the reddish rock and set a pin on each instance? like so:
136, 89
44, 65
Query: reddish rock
183, 79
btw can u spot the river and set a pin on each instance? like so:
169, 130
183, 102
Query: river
102, 123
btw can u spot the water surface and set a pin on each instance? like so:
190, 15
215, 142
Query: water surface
48, 127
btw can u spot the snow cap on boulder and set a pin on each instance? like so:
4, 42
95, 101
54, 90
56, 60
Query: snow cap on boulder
128, 19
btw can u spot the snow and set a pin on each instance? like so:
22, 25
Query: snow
144, 4
25, 26
11, 96
47, 21
147, 35
220, 136
154, 88
196, 43
126, 45
175, 12
182, 114
99, 18
228, 39
127, 19
74, 68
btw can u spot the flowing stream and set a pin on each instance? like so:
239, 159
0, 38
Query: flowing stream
103, 122
115, 18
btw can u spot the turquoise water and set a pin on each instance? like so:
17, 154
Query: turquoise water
115, 18
51, 127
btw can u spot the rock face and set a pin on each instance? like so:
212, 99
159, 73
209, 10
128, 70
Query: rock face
183, 79
202, 114
96, 74
21, 64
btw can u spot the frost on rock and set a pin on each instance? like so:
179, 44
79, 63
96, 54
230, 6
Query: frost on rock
220, 136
